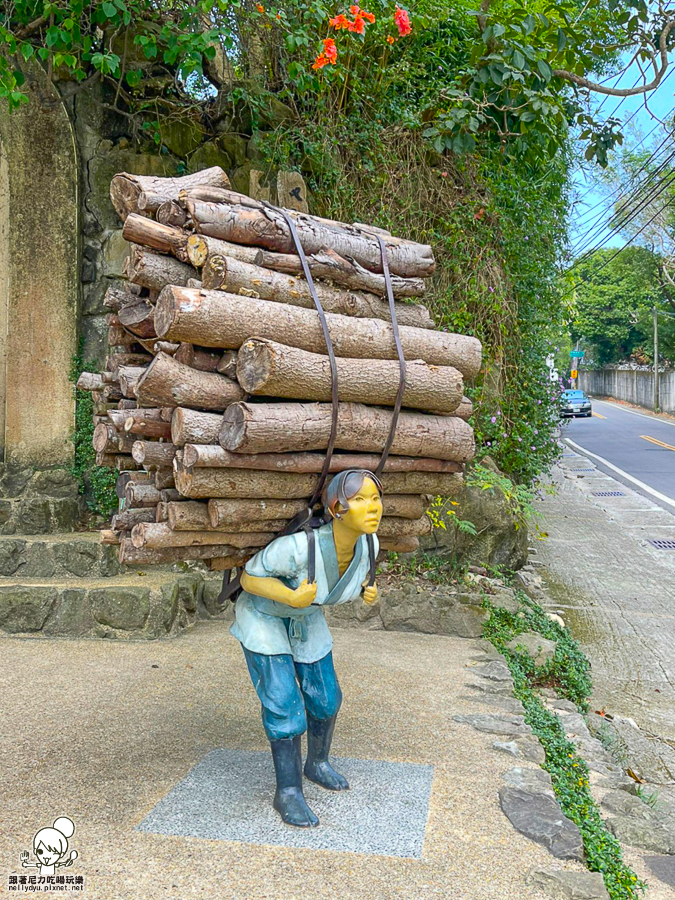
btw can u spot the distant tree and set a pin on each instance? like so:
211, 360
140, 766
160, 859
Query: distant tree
613, 301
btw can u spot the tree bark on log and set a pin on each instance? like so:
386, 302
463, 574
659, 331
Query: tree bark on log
117, 298
129, 376
150, 201
233, 513
148, 423
188, 426
218, 319
136, 495
190, 515
200, 484
153, 454
330, 265
213, 456
139, 230
139, 318
267, 228
154, 271
196, 358
275, 370
201, 248
125, 189
230, 556
165, 347
222, 273
170, 383
400, 545
107, 439
126, 520
136, 477
164, 479
157, 536
227, 365
120, 337
464, 410
89, 381
284, 427
398, 527
116, 360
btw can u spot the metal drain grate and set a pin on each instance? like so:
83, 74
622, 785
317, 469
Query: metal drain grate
581, 470
608, 494
662, 543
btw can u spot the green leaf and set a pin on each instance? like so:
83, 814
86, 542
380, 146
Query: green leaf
545, 70
562, 40
27, 51
518, 59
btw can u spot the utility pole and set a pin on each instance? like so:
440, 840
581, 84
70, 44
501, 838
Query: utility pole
656, 359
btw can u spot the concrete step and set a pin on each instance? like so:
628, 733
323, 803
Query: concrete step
135, 606
57, 555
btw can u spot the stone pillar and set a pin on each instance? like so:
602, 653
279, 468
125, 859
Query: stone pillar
39, 279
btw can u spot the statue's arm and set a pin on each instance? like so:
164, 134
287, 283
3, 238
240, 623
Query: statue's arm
273, 589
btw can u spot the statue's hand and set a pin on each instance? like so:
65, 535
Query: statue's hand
370, 594
304, 595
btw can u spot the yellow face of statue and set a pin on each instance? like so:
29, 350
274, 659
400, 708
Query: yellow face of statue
365, 509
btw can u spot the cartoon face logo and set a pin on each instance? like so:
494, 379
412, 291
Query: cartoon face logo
50, 846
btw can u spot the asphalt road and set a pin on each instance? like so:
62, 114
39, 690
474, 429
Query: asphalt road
635, 448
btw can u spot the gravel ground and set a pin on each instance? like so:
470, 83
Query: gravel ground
102, 731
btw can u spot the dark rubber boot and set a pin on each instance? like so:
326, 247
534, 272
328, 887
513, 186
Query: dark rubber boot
289, 800
317, 767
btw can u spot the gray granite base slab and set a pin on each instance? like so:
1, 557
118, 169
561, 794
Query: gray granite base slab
228, 795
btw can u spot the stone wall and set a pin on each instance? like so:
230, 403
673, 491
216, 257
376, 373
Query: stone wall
632, 385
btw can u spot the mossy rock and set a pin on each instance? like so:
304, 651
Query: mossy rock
208, 155
234, 146
25, 609
181, 136
125, 609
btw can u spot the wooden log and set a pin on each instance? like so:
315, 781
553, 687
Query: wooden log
222, 273
137, 477
125, 189
148, 423
167, 495
117, 298
125, 520
275, 370
227, 365
218, 319
115, 361
225, 565
199, 484
129, 377
398, 527
140, 230
170, 383
197, 358
165, 347
120, 337
405, 506
127, 404
121, 462
213, 455
157, 535
267, 228
106, 439
235, 512
464, 410
188, 426
330, 265
136, 495
150, 201
193, 516
283, 427
89, 381
162, 512
153, 454
400, 544
232, 557
108, 536
201, 248
154, 271
164, 479
139, 319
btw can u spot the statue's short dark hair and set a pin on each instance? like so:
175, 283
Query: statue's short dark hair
346, 485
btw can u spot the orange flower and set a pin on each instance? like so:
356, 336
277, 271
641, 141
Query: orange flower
278, 17
330, 50
260, 8
339, 22
320, 62
369, 17
402, 20
390, 39
357, 25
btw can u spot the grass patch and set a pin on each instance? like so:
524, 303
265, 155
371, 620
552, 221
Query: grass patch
569, 673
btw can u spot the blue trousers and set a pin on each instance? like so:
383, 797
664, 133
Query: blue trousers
289, 690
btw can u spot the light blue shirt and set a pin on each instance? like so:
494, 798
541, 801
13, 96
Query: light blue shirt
265, 626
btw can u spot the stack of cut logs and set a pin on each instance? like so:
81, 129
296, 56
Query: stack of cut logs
215, 403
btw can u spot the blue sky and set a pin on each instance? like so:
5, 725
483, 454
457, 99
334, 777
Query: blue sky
587, 213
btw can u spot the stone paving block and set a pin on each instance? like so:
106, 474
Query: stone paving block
536, 815
228, 795
560, 884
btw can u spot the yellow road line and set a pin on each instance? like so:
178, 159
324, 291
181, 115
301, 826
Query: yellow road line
597, 415
655, 441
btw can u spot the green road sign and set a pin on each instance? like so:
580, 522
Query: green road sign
577, 354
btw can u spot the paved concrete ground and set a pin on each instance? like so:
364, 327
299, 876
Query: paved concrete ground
103, 731
616, 592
